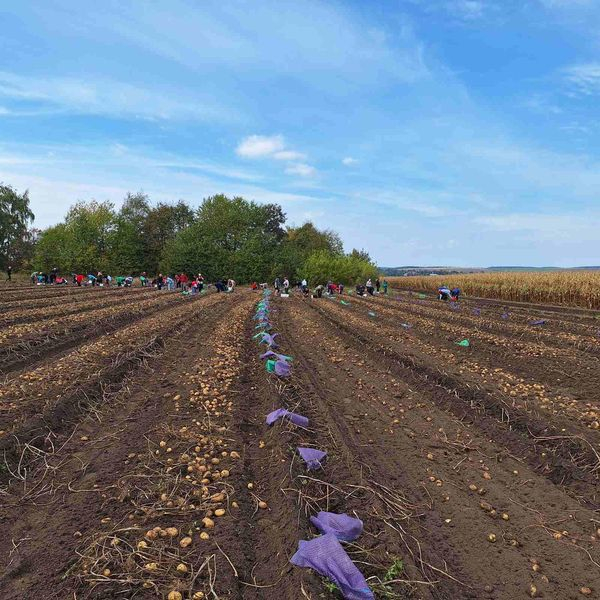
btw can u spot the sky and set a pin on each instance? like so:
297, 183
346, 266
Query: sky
429, 132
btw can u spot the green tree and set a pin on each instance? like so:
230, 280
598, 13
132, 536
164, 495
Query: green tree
83, 243
162, 224
300, 243
230, 237
23, 250
128, 240
323, 266
15, 216
361, 254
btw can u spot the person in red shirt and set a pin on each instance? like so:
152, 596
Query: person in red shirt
79, 279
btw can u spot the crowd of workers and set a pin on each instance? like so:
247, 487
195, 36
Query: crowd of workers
283, 286
194, 284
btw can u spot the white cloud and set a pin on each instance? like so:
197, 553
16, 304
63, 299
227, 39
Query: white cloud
349, 161
104, 97
585, 78
272, 38
289, 155
260, 146
301, 169
274, 147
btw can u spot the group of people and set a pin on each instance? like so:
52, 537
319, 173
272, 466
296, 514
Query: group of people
194, 284
369, 289
445, 293
282, 287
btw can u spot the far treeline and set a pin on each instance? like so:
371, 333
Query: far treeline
223, 238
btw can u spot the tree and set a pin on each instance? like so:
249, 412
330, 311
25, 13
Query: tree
23, 250
323, 266
128, 237
361, 254
300, 243
161, 225
83, 243
15, 216
230, 237
55, 247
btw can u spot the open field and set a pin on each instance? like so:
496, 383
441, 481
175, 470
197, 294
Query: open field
571, 288
136, 462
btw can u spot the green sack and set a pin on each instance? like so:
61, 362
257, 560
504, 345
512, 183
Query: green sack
422, 295
464, 343
270, 366
344, 302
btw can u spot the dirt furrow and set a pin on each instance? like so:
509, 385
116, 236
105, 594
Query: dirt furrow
90, 485
400, 426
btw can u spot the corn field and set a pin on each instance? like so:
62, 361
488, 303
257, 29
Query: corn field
571, 288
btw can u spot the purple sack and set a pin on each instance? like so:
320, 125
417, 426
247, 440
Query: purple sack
312, 457
343, 526
269, 339
281, 413
538, 322
282, 368
325, 555
276, 355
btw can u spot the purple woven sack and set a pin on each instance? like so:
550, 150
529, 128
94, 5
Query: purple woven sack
282, 368
281, 413
312, 457
325, 555
343, 526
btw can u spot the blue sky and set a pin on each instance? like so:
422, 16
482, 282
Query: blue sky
461, 132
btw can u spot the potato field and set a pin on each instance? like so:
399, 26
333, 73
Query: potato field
136, 461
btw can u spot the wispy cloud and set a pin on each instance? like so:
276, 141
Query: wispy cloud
289, 155
584, 78
260, 146
273, 37
274, 147
301, 169
466, 11
348, 160
105, 97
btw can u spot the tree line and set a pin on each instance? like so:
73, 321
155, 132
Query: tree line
223, 237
